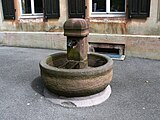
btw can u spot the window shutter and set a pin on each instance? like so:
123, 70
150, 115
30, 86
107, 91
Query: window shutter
76, 8
138, 8
51, 9
8, 9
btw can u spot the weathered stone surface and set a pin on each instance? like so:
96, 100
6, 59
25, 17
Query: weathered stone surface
76, 82
78, 52
143, 46
56, 40
77, 31
76, 27
34, 39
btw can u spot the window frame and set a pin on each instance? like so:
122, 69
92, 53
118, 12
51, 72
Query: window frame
32, 14
108, 13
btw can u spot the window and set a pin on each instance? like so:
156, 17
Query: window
31, 7
108, 7
34, 8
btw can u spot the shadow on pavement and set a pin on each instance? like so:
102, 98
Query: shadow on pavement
37, 85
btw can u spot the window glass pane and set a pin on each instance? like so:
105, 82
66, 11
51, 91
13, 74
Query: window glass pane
117, 5
98, 5
26, 6
38, 6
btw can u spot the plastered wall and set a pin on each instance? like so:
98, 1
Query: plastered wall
116, 25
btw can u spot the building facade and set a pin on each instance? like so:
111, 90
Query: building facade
104, 16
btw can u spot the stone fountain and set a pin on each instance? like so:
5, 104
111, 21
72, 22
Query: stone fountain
76, 73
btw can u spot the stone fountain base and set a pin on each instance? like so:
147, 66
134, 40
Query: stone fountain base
76, 82
87, 101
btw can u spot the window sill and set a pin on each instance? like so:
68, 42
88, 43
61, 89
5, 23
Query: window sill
34, 19
30, 16
110, 15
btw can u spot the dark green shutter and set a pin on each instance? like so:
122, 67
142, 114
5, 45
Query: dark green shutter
51, 9
138, 8
8, 9
76, 8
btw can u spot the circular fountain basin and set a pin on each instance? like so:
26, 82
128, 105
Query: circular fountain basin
76, 82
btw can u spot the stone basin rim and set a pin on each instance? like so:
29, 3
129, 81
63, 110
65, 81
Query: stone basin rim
78, 72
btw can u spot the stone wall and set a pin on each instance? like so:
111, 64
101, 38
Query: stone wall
135, 45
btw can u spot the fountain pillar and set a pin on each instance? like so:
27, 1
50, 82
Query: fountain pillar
76, 31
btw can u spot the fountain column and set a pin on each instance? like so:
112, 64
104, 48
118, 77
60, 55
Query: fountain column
76, 31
